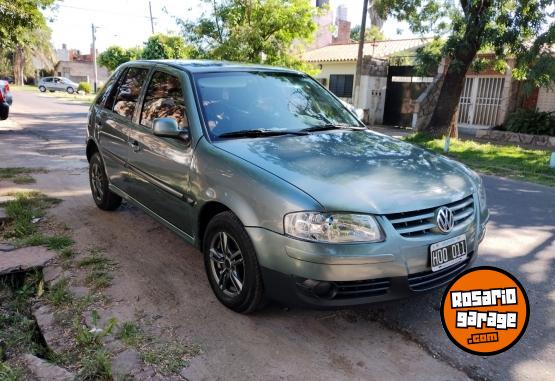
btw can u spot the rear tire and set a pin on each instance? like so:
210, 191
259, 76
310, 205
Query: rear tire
103, 197
231, 264
42, 89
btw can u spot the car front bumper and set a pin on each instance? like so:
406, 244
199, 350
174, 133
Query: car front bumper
356, 273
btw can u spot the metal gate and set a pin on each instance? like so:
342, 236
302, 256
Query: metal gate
402, 87
480, 101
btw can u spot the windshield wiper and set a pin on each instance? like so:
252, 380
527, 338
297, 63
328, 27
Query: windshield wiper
330, 126
259, 133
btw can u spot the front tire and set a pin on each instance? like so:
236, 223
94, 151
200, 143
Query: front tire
231, 264
42, 89
70, 90
103, 197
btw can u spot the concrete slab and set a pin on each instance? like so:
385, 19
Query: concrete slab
43, 370
25, 259
50, 330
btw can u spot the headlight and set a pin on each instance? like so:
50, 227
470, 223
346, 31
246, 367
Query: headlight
333, 227
482, 196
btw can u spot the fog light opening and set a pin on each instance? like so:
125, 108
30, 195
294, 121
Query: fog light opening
320, 289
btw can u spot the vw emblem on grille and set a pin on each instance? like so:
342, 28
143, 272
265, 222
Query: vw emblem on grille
445, 219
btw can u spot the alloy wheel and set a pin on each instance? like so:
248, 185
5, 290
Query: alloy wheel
227, 264
96, 181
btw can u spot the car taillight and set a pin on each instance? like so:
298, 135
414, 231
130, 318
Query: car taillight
1, 96
7, 87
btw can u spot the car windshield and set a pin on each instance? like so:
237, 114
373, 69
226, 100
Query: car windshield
269, 102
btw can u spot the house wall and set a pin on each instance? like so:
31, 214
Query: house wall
546, 99
329, 68
81, 71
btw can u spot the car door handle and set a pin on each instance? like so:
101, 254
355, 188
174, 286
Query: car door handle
135, 145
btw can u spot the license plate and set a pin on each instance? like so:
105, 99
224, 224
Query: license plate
447, 253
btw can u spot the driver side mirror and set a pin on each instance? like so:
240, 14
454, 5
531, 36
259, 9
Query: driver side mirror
168, 128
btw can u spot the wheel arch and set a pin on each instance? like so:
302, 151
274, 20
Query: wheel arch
206, 213
92, 147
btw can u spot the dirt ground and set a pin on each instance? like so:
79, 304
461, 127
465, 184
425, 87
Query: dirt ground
161, 276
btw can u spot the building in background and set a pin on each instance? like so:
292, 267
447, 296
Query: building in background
342, 33
337, 65
78, 67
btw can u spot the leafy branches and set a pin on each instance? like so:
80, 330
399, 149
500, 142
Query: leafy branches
255, 31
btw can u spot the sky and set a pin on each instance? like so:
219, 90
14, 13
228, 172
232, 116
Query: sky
127, 22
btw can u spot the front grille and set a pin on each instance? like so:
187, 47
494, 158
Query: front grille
419, 223
428, 280
361, 288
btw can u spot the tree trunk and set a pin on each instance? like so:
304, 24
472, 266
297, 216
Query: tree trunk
444, 118
19, 66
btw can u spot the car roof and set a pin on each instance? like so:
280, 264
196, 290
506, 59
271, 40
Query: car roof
207, 66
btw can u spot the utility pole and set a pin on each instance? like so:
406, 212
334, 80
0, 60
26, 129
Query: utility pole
360, 52
151, 19
95, 77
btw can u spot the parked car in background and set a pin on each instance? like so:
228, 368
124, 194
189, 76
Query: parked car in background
57, 84
5, 99
284, 190
7, 79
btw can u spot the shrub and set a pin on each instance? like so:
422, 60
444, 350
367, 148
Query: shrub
85, 87
532, 122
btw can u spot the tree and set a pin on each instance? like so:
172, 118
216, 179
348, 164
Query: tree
114, 56
255, 31
505, 28
18, 15
371, 34
160, 46
33, 49
24, 33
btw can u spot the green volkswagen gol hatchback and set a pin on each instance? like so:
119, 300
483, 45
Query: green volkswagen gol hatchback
286, 193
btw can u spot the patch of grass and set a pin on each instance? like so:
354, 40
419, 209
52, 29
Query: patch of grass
75, 97
22, 211
67, 253
18, 330
57, 242
8, 373
129, 333
167, 357
20, 175
98, 280
59, 294
100, 267
501, 160
24, 87
95, 365
24, 179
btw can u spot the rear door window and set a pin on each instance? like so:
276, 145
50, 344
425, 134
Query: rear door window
128, 92
164, 99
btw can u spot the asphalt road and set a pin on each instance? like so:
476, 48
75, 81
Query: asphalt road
520, 239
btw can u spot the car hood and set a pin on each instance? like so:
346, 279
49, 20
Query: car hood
358, 171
